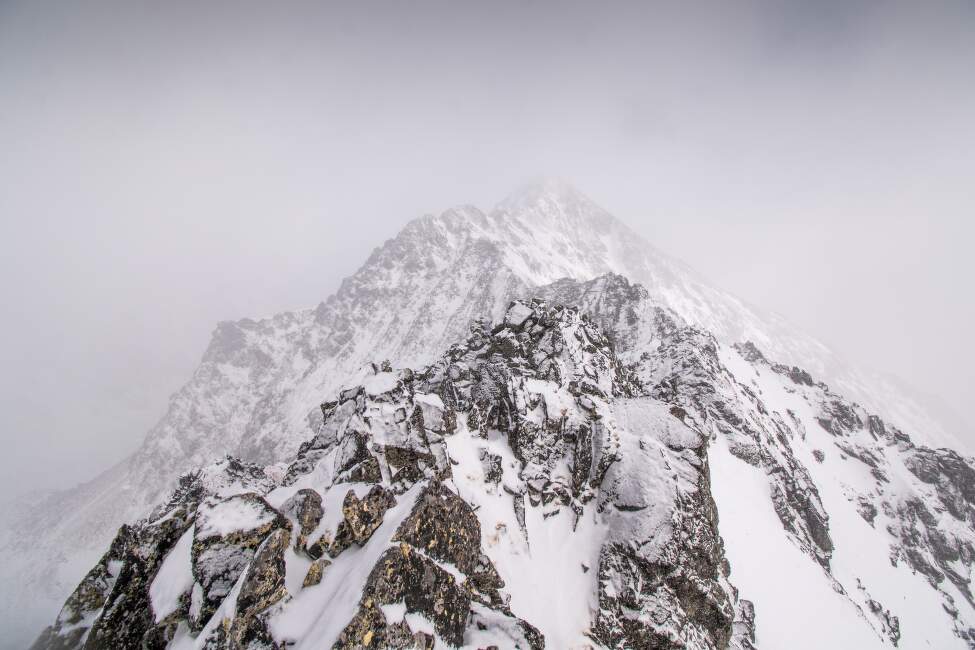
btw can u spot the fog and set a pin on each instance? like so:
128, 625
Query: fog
164, 166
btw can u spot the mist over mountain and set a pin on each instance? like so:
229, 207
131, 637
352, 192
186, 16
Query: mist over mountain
687, 365
171, 167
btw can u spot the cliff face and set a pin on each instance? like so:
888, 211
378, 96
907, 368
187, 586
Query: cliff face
818, 497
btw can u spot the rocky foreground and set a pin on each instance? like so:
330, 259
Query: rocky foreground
529, 450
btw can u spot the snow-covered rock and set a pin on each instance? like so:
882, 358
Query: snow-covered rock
595, 527
817, 497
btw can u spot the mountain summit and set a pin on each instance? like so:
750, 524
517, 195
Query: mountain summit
763, 431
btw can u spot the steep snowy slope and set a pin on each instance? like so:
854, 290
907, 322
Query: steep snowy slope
254, 391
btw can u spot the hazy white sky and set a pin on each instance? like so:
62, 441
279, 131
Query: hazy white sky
164, 166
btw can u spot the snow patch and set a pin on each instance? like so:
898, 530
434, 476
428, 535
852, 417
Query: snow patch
174, 578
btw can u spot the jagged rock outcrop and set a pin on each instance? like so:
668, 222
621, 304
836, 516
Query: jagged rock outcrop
304, 511
361, 518
88, 598
443, 526
227, 534
657, 593
261, 587
819, 454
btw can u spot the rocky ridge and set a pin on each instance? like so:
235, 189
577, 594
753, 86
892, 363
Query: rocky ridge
410, 518
574, 447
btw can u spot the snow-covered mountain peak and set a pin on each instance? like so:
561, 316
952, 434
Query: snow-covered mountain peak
255, 392
544, 231
553, 200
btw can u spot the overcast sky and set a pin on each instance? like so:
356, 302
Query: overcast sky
166, 165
